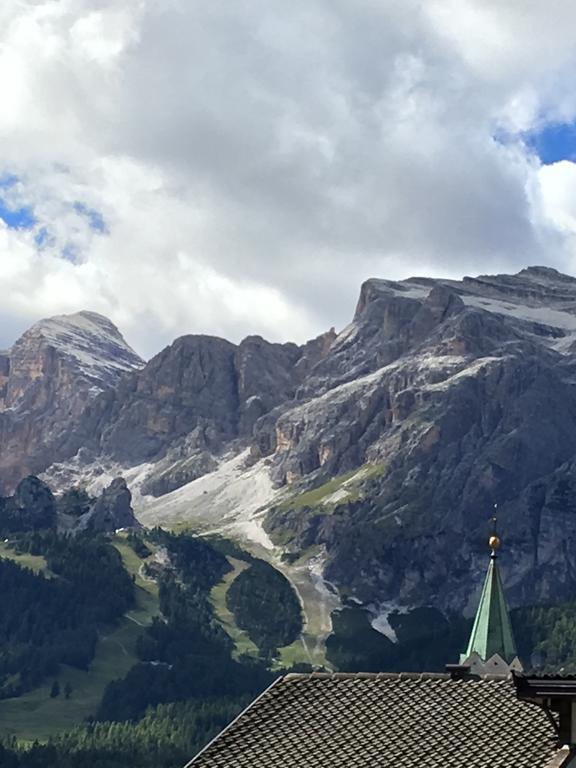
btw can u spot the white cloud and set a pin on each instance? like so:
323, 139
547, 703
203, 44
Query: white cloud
253, 162
558, 194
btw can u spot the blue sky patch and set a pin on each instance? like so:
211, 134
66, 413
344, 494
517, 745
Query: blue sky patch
16, 218
554, 143
95, 219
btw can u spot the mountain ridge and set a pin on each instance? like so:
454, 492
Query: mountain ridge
381, 449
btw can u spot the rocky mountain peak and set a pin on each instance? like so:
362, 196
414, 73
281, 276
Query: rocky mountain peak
546, 273
88, 340
444, 397
47, 379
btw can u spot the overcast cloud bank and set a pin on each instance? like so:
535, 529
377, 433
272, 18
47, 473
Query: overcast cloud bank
237, 168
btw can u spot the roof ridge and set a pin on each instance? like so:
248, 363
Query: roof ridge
365, 676
417, 676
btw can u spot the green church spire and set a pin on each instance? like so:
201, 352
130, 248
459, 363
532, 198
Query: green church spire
492, 639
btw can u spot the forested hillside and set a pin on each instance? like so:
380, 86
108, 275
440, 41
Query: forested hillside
133, 649
46, 621
186, 682
185, 654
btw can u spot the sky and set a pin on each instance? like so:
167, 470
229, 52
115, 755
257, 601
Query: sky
241, 167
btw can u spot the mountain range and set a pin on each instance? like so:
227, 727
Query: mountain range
367, 461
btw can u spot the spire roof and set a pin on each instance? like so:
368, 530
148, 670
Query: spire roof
492, 630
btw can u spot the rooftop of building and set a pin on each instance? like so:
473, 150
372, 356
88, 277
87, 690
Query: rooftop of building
337, 720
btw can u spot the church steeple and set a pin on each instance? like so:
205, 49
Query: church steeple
491, 648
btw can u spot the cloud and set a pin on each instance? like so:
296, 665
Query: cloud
238, 168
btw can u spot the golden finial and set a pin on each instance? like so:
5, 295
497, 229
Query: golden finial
494, 540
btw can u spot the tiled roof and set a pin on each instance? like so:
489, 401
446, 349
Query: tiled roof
385, 721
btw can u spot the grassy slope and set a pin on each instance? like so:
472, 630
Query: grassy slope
225, 616
36, 563
146, 589
304, 650
340, 489
36, 716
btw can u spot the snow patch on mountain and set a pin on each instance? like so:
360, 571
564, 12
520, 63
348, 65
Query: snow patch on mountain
537, 296
91, 340
380, 618
554, 318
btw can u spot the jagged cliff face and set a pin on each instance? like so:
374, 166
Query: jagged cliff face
195, 401
387, 445
440, 400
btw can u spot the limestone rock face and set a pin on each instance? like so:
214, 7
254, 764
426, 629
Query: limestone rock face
188, 388
197, 399
416, 532
172, 472
441, 399
266, 377
201, 390
4, 374
387, 325
85, 347
46, 381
